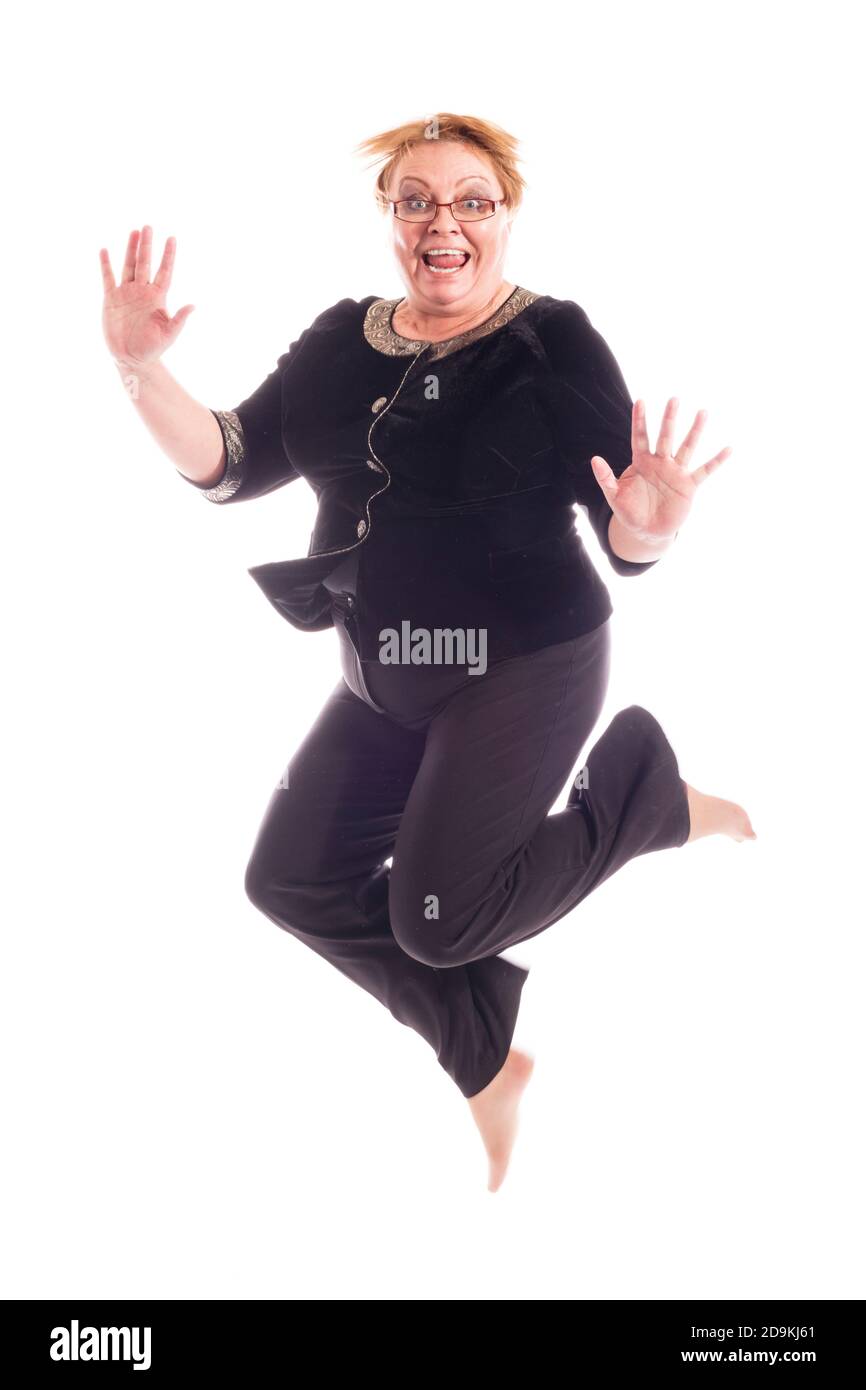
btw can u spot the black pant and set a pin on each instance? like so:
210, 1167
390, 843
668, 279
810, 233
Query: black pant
456, 788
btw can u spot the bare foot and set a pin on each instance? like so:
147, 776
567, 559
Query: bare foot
495, 1112
712, 815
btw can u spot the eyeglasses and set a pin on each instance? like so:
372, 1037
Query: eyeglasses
466, 210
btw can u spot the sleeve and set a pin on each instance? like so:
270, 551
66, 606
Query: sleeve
256, 459
591, 412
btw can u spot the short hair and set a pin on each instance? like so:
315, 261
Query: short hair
490, 140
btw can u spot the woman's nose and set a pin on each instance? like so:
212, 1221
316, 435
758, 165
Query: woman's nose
444, 221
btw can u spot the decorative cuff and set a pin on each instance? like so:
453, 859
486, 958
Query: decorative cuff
233, 475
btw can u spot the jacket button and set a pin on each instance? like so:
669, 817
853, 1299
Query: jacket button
361, 527
371, 463
377, 404
350, 600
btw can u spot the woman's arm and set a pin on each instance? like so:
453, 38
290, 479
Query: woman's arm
591, 414
187, 431
230, 455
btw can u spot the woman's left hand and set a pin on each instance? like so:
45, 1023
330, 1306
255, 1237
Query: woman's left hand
654, 495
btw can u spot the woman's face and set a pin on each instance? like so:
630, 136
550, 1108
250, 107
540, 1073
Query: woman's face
445, 171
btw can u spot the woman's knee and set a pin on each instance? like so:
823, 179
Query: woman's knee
287, 900
424, 927
257, 881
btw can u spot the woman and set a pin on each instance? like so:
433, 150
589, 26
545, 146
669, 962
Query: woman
448, 436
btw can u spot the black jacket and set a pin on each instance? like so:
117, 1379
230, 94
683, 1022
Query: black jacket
446, 474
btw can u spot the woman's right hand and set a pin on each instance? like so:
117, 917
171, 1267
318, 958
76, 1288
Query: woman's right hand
136, 326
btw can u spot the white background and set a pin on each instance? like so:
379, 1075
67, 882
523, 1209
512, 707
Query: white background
194, 1104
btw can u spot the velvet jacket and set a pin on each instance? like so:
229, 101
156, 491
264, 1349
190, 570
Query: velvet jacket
446, 474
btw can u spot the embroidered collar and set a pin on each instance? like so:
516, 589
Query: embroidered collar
381, 336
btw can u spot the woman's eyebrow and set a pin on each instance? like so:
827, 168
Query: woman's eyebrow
468, 178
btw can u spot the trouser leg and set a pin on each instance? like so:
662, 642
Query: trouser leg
317, 870
479, 864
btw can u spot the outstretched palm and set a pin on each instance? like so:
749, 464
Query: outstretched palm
654, 495
136, 326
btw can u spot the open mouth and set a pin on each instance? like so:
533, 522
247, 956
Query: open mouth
445, 262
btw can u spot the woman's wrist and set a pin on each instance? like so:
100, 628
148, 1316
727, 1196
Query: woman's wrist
140, 371
628, 545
